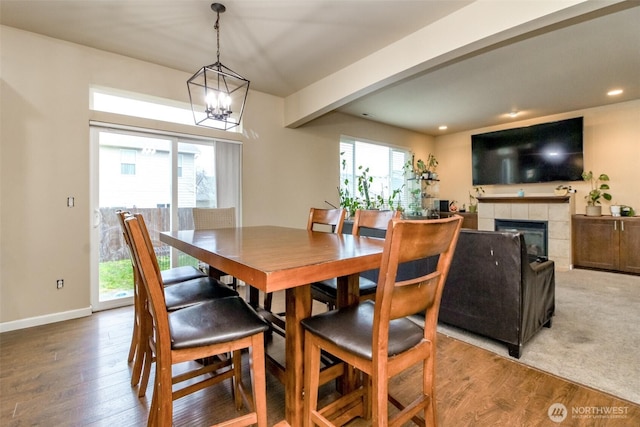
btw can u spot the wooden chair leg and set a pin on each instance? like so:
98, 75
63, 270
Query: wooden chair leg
146, 353
366, 384
137, 357
311, 379
163, 392
429, 378
237, 378
146, 371
153, 409
379, 397
258, 371
134, 341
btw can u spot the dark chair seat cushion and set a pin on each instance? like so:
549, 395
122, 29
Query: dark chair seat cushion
180, 274
351, 329
214, 322
185, 294
330, 287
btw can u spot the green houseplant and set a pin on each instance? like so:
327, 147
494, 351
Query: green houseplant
473, 199
365, 198
432, 164
599, 186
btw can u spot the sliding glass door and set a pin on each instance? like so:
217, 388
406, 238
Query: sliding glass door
160, 176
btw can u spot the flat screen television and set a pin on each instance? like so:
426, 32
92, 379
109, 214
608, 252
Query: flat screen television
545, 152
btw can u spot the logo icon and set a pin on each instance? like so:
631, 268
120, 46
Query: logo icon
557, 412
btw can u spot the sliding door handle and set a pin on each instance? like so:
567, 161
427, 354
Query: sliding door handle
97, 218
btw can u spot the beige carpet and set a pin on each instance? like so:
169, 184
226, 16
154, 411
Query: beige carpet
595, 336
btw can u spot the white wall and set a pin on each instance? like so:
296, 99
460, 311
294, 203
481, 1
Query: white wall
611, 146
44, 155
44, 158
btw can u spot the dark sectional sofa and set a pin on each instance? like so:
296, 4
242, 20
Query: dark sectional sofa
493, 290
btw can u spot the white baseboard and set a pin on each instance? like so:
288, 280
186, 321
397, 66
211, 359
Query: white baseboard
44, 320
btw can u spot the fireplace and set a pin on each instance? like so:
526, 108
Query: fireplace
535, 235
555, 211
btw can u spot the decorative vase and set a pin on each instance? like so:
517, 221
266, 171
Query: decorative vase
594, 210
473, 208
615, 210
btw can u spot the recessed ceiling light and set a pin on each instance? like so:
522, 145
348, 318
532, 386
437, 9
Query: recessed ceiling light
614, 92
514, 114
443, 127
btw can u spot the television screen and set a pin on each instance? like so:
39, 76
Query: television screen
540, 153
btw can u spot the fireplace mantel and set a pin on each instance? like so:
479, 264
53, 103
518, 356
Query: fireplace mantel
525, 199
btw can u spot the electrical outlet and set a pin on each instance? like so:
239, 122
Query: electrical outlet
60, 283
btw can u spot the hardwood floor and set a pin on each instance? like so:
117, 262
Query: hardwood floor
75, 373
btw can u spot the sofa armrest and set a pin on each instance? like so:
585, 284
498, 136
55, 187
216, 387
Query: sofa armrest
538, 297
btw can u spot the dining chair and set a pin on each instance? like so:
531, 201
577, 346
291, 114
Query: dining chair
211, 219
201, 331
326, 291
323, 220
177, 295
169, 277
378, 338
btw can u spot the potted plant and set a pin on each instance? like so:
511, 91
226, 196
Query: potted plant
432, 164
598, 191
473, 200
421, 169
426, 170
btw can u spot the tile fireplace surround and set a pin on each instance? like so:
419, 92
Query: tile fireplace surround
556, 210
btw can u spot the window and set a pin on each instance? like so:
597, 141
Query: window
180, 162
144, 106
372, 175
128, 162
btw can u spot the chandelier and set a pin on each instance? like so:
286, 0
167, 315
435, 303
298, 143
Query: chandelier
215, 91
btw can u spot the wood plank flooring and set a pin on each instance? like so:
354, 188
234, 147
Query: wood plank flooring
75, 373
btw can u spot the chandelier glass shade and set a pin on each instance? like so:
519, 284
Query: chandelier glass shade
217, 93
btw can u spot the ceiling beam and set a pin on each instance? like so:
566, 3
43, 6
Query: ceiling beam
478, 26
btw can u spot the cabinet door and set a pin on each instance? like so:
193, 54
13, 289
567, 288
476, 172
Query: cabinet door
630, 245
595, 243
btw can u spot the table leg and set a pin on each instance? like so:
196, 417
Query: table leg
298, 307
253, 296
348, 290
215, 273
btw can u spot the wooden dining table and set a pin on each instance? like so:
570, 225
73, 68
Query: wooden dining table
271, 259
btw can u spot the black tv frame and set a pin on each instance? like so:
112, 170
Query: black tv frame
545, 152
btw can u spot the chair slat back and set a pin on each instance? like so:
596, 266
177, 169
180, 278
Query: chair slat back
407, 241
121, 217
149, 275
149, 243
213, 218
334, 218
372, 219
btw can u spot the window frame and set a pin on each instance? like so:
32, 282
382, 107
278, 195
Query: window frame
350, 171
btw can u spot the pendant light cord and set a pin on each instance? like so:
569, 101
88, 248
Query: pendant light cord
217, 28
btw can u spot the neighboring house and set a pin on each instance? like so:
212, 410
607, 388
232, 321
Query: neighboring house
138, 167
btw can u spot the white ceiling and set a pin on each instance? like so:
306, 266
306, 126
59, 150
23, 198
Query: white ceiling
283, 46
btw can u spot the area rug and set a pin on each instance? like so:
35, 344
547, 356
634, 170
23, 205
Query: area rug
595, 336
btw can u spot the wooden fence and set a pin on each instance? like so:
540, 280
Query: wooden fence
112, 246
